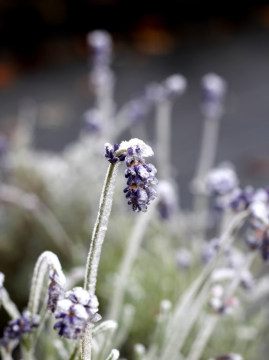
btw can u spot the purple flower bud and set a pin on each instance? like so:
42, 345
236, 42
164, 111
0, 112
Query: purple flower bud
110, 153
213, 92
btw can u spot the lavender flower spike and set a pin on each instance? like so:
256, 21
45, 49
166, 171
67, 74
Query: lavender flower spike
141, 180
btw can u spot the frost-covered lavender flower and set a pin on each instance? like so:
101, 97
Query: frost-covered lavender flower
75, 311
16, 328
213, 92
56, 291
141, 180
222, 180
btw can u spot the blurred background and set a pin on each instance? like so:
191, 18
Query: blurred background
44, 60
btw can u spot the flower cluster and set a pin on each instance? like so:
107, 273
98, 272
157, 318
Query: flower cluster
77, 309
141, 180
16, 328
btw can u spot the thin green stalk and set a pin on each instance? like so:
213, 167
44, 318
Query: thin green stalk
206, 160
94, 254
163, 138
203, 336
100, 229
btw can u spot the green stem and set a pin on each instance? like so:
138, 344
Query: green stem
100, 229
94, 254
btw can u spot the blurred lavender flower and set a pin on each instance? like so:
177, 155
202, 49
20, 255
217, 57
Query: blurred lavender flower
174, 85
76, 310
138, 109
219, 304
209, 250
213, 92
259, 210
222, 180
56, 291
167, 204
241, 199
16, 328
171, 87
92, 120
184, 258
100, 42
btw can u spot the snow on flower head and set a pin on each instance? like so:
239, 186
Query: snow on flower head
138, 146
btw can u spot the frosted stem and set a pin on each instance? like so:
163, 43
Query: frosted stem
163, 138
100, 229
94, 254
205, 163
114, 355
5, 355
203, 337
8, 304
